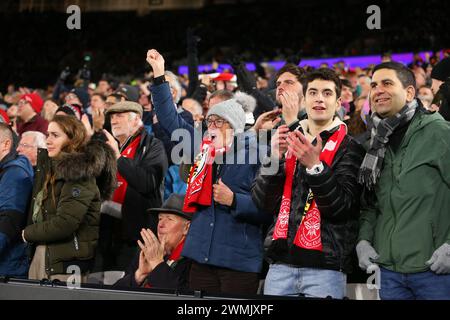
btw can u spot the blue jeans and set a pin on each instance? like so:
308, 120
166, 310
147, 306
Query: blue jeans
411, 286
286, 280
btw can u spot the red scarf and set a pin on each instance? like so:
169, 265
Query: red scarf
122, 184
199, 190
176, 253
308, 235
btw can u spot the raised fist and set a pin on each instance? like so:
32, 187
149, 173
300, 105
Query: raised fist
156, 60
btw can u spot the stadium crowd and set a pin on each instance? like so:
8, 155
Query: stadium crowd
214, 182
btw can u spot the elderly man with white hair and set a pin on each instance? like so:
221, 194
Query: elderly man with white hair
29, 144
141, 166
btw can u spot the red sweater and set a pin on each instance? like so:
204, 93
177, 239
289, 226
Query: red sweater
37, 123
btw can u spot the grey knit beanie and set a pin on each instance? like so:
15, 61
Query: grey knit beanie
231, 111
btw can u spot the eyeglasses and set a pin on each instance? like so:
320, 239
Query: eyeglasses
71, 96
26, 145
22, 103
218, 123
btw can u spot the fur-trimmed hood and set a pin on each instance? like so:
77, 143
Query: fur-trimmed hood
97, 161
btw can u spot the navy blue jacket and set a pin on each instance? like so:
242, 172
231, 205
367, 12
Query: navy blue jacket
222, 236
16, 183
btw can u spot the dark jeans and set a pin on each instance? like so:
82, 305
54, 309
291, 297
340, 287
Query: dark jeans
220, 280
414, 286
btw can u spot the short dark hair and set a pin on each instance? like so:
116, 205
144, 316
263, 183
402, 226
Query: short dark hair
404, 74
323, 74
116, 96
291, 68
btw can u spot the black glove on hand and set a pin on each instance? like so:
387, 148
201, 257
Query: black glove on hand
64, 74
85, 73
245, 79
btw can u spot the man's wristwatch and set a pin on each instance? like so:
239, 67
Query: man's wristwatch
316, 169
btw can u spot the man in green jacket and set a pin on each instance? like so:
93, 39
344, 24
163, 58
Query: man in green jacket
405, 224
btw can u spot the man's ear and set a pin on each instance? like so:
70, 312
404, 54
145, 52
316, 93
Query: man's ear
410, 93
6, 147
300, 95
8, 144
173, 92
338, 103
186, 227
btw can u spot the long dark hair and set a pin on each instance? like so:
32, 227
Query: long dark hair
75, 131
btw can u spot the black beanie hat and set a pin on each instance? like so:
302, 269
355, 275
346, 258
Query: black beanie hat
71, 110
441, 71
83, 95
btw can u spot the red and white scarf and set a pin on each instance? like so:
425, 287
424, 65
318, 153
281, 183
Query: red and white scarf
199, 190
308, 235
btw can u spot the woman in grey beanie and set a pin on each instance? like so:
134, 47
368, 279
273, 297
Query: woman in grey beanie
225, 237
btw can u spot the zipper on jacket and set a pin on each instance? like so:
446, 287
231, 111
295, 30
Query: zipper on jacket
217, 177
216, 180
48, 269
75, 241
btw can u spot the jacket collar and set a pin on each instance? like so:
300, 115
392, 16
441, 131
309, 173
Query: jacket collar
421, 119
131, 138
304, 124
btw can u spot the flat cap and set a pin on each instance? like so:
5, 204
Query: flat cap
126, 106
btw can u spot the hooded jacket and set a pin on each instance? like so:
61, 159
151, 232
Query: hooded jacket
67, 220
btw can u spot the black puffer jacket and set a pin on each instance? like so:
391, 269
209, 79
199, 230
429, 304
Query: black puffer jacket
337, 196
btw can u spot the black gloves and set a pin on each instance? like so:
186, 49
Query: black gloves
85, 73
64, 74
245, 79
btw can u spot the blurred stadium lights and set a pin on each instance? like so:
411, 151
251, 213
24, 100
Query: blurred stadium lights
350, 62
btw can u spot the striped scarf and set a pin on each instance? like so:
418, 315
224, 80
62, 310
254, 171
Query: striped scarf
382, 129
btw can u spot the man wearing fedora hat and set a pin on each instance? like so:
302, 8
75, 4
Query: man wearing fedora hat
141, 166
160, 264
